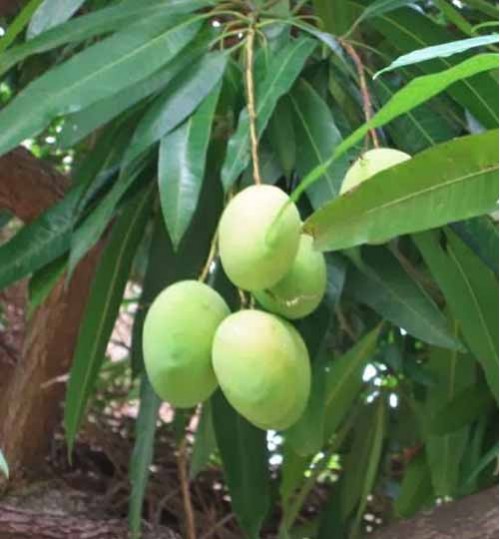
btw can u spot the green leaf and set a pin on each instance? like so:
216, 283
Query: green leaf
50, 14
284, 67
204, 443
452, 373
4, 468
439, 51
384, 285
181, 167
43, 281
378, 8
481, 236
244, 457
177, 102
142, 455
292, 473
488, 458
102, 308
80, 124
18, 24
316, 135
362, 463
418, 91
94, 74
470, 290
345, 380
98, 22
416, 488
336, 15
282, 137
406, 198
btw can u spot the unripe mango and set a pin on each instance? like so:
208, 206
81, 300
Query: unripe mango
177, 342
256, 249
301, 290
370, 163
262, 365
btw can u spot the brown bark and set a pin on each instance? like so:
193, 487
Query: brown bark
472, 517
30, 402
22, 524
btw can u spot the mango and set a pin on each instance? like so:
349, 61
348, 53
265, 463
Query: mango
256, 249
177, 342
370, 163
262, 365
301, 290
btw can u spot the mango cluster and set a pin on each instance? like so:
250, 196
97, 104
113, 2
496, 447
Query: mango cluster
192, 343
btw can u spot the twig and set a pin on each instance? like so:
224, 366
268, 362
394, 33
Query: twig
211, 257
367, 102
252, 114
186, 495
217, 525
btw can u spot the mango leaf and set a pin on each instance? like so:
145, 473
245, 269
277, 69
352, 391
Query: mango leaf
204, 442
470, 290
439, 51
408, 29
284, 68
43, 281
316, 135
18, 24
336, 15
362, 463
344, 380
142, 455
416, 92
98, 22
102, 308
80, 124
177, 102
181, 167
50, 14
481, 236
487, 459
4, 468
378, 8
245, 461
282, 137
406, 198
96, 73
384, 285
416, 488
452, 373
292, 473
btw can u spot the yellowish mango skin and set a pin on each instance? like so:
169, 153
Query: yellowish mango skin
370, 163
262, 366
177, 342
256, 250
301, 290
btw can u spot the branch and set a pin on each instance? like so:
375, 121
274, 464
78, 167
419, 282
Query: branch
472, 517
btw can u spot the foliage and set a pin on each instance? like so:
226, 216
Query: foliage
151, 102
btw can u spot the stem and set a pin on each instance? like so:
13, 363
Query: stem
252, 115
211, 257
367, 103
186, 495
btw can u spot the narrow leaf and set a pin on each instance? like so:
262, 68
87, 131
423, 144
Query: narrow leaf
439, 51
102, 309
142, 455
406, 198
181, 167
284, 68
18, 24
96, 73
384, 285
51, 13
378, 8
177, 102
416, 92
43, 281
470, 290
416, 489
245, 461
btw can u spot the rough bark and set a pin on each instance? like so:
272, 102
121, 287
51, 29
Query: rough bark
472, 517
22, 524
30, 402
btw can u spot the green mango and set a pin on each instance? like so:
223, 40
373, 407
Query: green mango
262, 365
301, 290
257, 249
177, 341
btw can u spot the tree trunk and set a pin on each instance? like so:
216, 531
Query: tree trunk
22, 524
472, 517
30, 400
